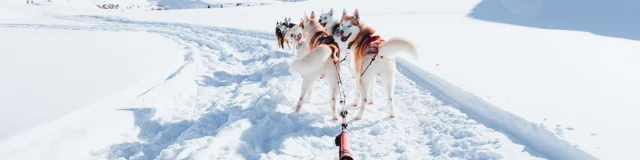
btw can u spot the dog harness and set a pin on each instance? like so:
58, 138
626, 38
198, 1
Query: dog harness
372, 47
328, 40
373, 44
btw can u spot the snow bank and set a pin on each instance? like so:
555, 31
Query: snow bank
233, 98
537, 138
613, 18
558, 80
186, 4
527, 82
50, 73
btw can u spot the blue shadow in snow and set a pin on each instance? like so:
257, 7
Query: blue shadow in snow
222, 78
612, 18
264, 58
154, 135
172, 4
268, 131
537, 140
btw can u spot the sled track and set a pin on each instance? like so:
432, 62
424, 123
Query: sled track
239, 102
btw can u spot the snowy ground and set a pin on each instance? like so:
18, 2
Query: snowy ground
476, 84
552, 81
46, 76
188, 4
233, 97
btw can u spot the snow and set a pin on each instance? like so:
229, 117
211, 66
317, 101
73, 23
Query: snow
556, 78
59, 75
233, 98
486, 86
191, 4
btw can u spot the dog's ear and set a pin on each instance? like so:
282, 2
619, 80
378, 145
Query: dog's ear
301, 23
344, 13
331, 12
313, 15
356, 15
305, 16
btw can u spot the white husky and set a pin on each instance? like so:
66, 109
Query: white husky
294, 37
320, 61
333, 26
373, 56
281, 29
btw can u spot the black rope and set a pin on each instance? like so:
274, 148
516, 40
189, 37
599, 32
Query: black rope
344, 112
365, 70
344, 96
344, 59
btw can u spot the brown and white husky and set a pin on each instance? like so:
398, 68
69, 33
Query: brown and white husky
332, 26
320, 61
294, 37
285, 32
373, 57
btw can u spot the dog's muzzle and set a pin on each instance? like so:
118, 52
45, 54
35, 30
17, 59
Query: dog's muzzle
298, 37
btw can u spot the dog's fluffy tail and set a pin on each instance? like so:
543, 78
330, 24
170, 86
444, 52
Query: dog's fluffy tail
312, 61
393, 46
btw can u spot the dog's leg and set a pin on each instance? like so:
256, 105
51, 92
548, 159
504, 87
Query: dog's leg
358, 92
350, 62
307, 83
388, 80
370, 91
332, 80
367, 79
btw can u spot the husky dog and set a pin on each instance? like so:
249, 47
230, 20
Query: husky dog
373, 57
333, 26
295, 38
281, 28
320, 61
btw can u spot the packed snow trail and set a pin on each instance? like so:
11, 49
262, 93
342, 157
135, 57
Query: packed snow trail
233, 99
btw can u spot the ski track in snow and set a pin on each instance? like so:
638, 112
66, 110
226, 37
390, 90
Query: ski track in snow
235, 84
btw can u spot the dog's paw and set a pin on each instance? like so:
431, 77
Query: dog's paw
392, 116
370, 102
358, 118
335, 118
298, 108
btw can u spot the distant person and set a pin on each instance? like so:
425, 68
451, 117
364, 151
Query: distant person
220, 5
208, 6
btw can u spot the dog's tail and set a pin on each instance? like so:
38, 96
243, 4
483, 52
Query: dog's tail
393, 46
313, 61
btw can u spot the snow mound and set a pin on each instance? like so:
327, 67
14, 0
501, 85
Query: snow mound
613, 18
186, 4
233, 98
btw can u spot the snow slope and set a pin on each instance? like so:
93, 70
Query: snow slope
191, 4
552, 81
232, 97
476, 84
46, 76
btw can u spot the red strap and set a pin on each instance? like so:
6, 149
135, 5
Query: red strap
371, 46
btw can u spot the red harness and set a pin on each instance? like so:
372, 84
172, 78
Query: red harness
373, 45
